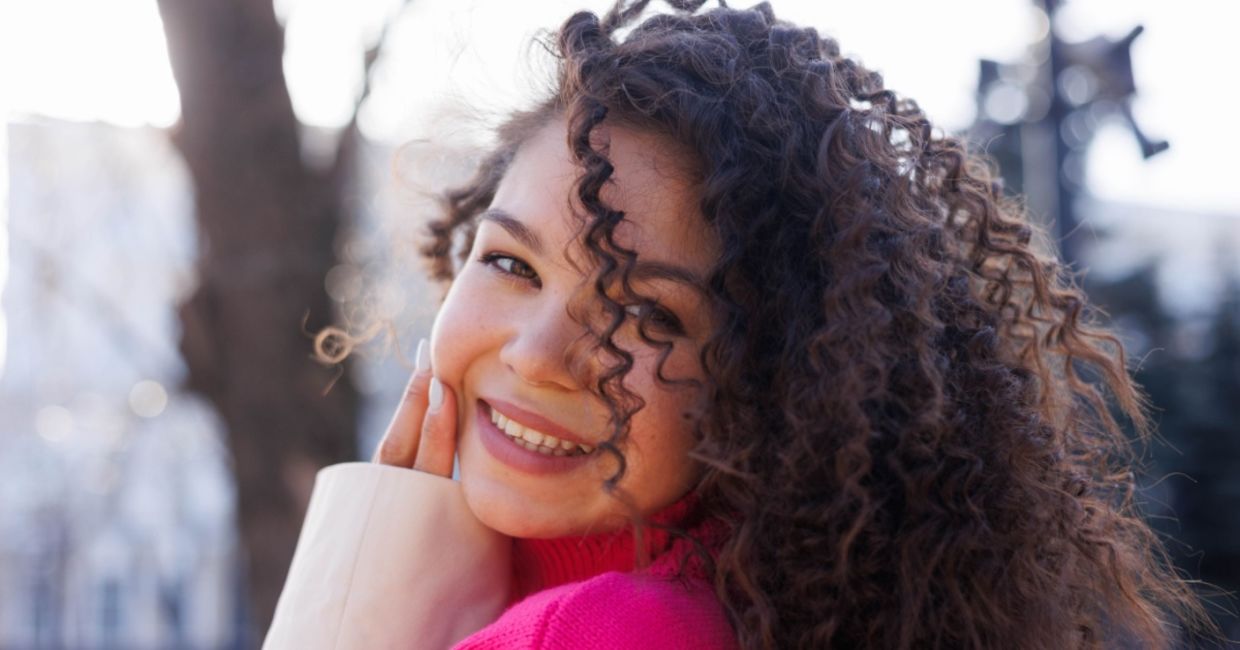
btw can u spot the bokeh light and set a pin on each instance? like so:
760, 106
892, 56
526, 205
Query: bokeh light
148, 398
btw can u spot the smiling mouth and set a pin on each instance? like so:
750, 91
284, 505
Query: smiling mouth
535, 440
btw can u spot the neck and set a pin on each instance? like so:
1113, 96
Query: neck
545, 563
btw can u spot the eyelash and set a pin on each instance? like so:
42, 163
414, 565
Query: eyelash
493, 260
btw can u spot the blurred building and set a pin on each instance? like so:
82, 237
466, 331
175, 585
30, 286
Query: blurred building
115, 501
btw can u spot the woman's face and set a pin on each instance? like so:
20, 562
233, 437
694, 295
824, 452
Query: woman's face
505, 342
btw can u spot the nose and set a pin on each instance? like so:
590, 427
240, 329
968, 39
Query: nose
549, 348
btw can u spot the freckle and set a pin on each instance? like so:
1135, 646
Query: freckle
687, 415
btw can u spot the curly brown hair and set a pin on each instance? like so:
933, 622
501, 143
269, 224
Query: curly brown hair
910, 426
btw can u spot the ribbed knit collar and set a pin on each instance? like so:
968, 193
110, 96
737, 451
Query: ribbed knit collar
545, 563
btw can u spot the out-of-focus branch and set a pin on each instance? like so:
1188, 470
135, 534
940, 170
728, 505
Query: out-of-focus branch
350, 137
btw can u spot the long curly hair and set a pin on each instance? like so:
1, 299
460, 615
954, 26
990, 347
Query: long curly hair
912, 425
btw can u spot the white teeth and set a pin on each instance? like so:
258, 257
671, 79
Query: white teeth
536, 440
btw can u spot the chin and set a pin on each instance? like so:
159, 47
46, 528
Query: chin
511, 515
516, 514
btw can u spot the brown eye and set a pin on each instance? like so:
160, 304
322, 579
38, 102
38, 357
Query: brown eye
660, 317
509, 265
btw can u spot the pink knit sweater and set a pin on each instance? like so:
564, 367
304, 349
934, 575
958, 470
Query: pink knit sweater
583, 593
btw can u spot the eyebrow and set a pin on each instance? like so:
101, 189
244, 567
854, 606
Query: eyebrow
518, 230
642, 270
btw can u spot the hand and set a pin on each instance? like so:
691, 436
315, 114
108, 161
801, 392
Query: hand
422, 434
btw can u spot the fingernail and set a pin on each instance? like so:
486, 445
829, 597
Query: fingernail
423, 360
436, 393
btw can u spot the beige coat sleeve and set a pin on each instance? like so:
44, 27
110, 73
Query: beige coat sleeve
389, 557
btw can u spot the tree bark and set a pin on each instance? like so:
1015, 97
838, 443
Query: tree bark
267, 224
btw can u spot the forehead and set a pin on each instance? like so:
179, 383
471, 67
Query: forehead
652, 183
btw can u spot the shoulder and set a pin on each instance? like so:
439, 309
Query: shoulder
612, 610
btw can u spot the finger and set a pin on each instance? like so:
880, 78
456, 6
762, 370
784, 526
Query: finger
399, 445
438, 440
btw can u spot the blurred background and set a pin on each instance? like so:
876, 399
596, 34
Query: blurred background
189, 190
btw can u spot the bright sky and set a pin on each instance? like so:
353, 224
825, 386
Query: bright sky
109, 63
477, 53
4, 237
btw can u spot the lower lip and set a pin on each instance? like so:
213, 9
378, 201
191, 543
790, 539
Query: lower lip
517, 457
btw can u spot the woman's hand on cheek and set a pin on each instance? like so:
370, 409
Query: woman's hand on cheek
422, 434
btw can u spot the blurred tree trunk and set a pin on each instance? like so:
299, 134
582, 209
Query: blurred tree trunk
267, 223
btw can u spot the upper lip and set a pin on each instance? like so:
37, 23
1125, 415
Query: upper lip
532, 420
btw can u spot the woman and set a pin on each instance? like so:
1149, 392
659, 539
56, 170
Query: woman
739, 350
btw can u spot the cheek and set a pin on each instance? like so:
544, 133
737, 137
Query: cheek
459, 333
671, 407
660, 468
